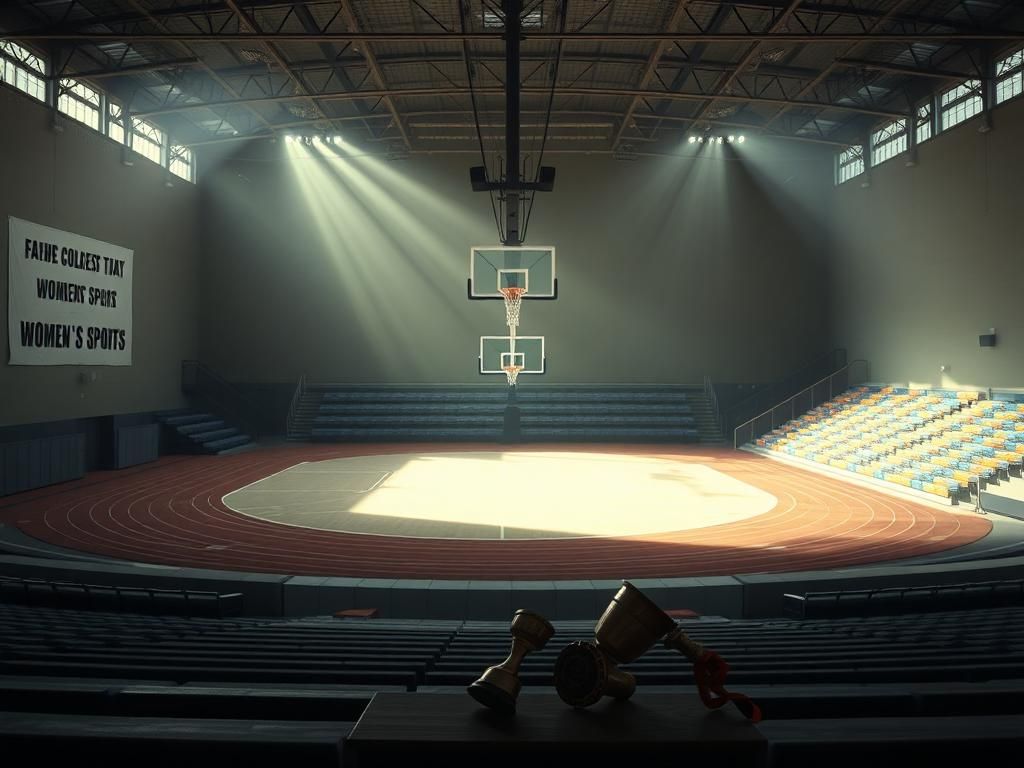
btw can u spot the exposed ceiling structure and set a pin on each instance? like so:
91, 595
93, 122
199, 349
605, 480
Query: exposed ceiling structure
615, 75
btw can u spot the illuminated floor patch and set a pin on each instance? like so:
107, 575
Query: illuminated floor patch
497, 495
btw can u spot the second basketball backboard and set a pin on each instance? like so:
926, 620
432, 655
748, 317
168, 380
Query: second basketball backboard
498, 352
493, 267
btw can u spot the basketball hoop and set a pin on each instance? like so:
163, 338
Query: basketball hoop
513, 301
512, 372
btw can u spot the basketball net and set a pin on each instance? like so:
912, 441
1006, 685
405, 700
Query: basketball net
513, 301
512, 372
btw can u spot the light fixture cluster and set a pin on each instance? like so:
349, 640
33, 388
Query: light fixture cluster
309, 139
709, 139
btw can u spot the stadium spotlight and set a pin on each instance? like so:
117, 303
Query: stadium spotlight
289, 138
731, 139
742, 139
719, 139
692, 139
700, 139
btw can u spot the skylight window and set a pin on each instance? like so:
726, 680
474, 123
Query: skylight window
849, 164
22, 69
80, 102
888, 141
960, 103
1010, 76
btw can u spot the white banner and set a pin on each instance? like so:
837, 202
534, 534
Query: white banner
70, 298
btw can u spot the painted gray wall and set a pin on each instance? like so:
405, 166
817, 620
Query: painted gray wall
669, 269
929, 257
75, 181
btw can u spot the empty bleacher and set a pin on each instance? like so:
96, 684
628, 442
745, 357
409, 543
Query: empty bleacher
173, 602
948, 646
121, 687
469, 413
943, 443
894, 600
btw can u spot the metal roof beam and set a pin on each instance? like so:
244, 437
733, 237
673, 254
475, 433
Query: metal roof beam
649, 69
809, 88
896, 69
493, 91
805, 38
224, 85
247, 21
207, 9
133, 69
779, 23
371, 62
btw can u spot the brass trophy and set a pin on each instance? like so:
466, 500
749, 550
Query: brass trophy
631, 624
498, 687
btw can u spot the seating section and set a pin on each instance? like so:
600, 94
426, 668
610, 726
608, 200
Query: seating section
131, 689
942, 443
945, 646
173, 602
47, 641
892, 600
570, 413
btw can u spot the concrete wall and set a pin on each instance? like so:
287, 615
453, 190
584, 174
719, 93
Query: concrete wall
669, 269
75, 181
929, 257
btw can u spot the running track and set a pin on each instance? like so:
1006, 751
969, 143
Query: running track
170, 512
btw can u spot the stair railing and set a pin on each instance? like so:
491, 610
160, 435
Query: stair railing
712, 396
300, 390
850, 375
753, 405
217, 394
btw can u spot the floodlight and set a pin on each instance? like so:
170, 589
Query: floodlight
732, 139
719, 139
742, 139
700, 139
289, 138
692, 139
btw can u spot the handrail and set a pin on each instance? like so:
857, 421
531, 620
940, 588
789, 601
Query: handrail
300, 390
745, 408
712, 396
223, 396
791, 401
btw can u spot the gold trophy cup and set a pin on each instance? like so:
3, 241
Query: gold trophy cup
498, 687
629, 626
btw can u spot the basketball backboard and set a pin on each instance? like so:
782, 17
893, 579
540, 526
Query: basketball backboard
493, 267
497, 352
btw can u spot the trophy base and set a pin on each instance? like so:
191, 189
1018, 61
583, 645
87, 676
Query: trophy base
492, 696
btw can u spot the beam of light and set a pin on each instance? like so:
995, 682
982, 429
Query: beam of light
343, 239
403, 281
573, 494
452, 490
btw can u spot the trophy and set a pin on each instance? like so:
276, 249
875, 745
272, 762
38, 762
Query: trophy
632, 623
498, 687
629, 626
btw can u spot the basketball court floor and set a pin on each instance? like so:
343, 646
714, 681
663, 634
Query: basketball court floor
451, 512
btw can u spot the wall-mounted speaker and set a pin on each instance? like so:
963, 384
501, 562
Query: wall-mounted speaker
987, 339
478, 178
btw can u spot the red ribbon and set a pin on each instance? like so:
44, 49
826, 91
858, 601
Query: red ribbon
710, 671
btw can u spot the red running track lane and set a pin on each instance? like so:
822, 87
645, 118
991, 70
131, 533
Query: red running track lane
171, 513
